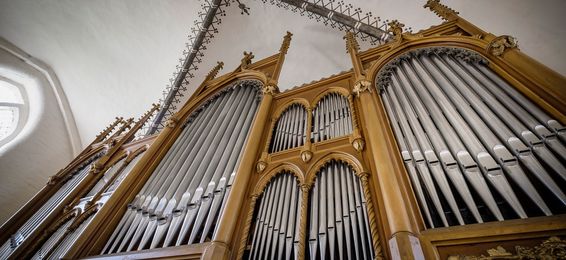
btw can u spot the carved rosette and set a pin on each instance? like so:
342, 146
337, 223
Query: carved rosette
361, 86
359, 144
306, 156
260, 166
499, 45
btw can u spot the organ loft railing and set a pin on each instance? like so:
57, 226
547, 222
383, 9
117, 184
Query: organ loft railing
448, 143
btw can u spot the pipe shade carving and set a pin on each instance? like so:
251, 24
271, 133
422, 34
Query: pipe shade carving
475, 149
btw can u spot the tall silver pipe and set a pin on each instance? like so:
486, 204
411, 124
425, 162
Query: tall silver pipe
430, 113
460, 81
497, 150
407, 158
491, 170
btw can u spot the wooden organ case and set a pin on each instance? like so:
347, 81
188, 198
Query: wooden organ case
448, 143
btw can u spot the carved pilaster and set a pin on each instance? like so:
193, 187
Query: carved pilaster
371, 216
247, 225
305, 189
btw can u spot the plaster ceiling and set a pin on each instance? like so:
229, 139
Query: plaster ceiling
114, 58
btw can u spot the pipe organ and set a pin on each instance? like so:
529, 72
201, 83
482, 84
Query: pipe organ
447, 143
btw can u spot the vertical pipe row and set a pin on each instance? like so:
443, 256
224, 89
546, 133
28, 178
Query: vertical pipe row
331, 118
290, 129
472, 128
276, 221
183, 198
48, 208
338, 221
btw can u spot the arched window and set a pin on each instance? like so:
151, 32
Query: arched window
13, 110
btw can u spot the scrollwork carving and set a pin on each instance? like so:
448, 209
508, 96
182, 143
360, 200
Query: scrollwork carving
269, 89
361, 86
552, 248
499, 45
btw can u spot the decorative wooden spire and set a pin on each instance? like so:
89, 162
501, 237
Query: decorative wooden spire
352, 48
352, 45
441, 10
104, 133
272, 86
115, 144
286, 43
212, 74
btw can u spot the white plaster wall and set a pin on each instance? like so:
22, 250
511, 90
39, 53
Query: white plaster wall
44, 145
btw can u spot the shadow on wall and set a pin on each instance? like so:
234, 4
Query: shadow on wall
46, 138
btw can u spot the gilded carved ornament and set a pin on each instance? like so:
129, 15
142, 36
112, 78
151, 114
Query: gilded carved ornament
260, 166
359, 144
306, 156
269, 89
351, 43
286, 43
171, 122
552, 248
246, 60
396, 28
362, 85
500, 44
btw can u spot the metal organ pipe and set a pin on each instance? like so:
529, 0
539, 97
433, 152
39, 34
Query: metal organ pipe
338, 223
63, 238
289, 131
181, 201
276, 219
48, 208
331, 118
446, 102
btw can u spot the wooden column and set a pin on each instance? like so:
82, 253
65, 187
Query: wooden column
219, 248
401, 218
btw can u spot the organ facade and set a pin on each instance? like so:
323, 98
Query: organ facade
448, 143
